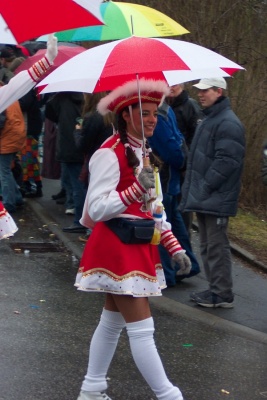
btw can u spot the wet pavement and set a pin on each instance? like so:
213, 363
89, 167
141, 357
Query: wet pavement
46, 324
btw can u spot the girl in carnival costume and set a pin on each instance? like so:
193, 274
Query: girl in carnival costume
16, 88
119, 260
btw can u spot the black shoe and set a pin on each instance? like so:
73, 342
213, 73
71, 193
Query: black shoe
20, 205
61, 201
35, 193
59, 195
195, 295
74, 228
212, 300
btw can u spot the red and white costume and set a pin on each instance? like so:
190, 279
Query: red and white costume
109, 265
7, 224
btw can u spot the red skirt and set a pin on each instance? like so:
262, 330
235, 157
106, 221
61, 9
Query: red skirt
111, 266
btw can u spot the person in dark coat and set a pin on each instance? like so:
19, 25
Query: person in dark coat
64, 109
187, 111
92, 130
212, 185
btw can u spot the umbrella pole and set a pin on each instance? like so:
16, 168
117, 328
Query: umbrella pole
132, 25
145, 158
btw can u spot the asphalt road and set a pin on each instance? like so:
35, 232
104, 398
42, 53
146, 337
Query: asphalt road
46, 324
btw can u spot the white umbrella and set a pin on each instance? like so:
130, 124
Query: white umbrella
108, 66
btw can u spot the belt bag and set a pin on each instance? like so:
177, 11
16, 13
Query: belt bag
132, 231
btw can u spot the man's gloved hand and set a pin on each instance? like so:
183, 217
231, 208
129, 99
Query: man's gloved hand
52, 50
184, 263
146, 178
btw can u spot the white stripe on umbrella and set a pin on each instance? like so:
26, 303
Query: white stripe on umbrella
5, 34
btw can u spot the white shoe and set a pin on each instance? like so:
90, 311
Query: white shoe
93, 396
70, 211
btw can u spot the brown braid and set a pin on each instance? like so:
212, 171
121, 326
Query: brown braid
130, 154
154, 159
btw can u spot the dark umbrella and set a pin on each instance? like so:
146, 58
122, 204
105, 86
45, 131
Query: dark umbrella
64, 54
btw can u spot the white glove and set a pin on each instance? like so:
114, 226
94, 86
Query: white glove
146, 178
51, 48
184, 263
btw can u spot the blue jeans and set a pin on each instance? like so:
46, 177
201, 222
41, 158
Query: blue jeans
180, 232
78, 188
10, 191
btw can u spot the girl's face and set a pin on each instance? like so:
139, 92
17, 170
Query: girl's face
134, 124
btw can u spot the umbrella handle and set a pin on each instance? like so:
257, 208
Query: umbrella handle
146, 162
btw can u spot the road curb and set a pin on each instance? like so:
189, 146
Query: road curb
215, 322
54, 227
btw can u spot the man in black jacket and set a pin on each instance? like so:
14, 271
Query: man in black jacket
212, 185
63, 109
187, 111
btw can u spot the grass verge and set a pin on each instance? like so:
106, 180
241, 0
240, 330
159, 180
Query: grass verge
250, 232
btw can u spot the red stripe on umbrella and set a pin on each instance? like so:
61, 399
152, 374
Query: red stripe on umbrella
117, 62
28, 19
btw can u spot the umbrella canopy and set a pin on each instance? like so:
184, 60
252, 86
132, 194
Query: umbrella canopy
123, 20
110, 65
20, 21
64, 54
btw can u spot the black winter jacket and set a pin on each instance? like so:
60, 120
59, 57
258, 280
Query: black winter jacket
188, 115
215, 162
63, 109
92, 134
30, 105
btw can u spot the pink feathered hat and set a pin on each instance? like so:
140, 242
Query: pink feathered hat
151, 91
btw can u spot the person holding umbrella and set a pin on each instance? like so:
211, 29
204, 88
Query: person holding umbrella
20, 84
119, 258
16, 88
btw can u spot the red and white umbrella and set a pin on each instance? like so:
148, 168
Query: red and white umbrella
110, 65
21, 20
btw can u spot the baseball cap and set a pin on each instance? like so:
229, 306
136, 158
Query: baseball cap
207, 83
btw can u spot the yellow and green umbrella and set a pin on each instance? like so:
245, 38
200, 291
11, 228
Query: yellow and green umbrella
123, 20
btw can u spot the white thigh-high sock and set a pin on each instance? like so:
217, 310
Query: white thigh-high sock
102, 349
147, 359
